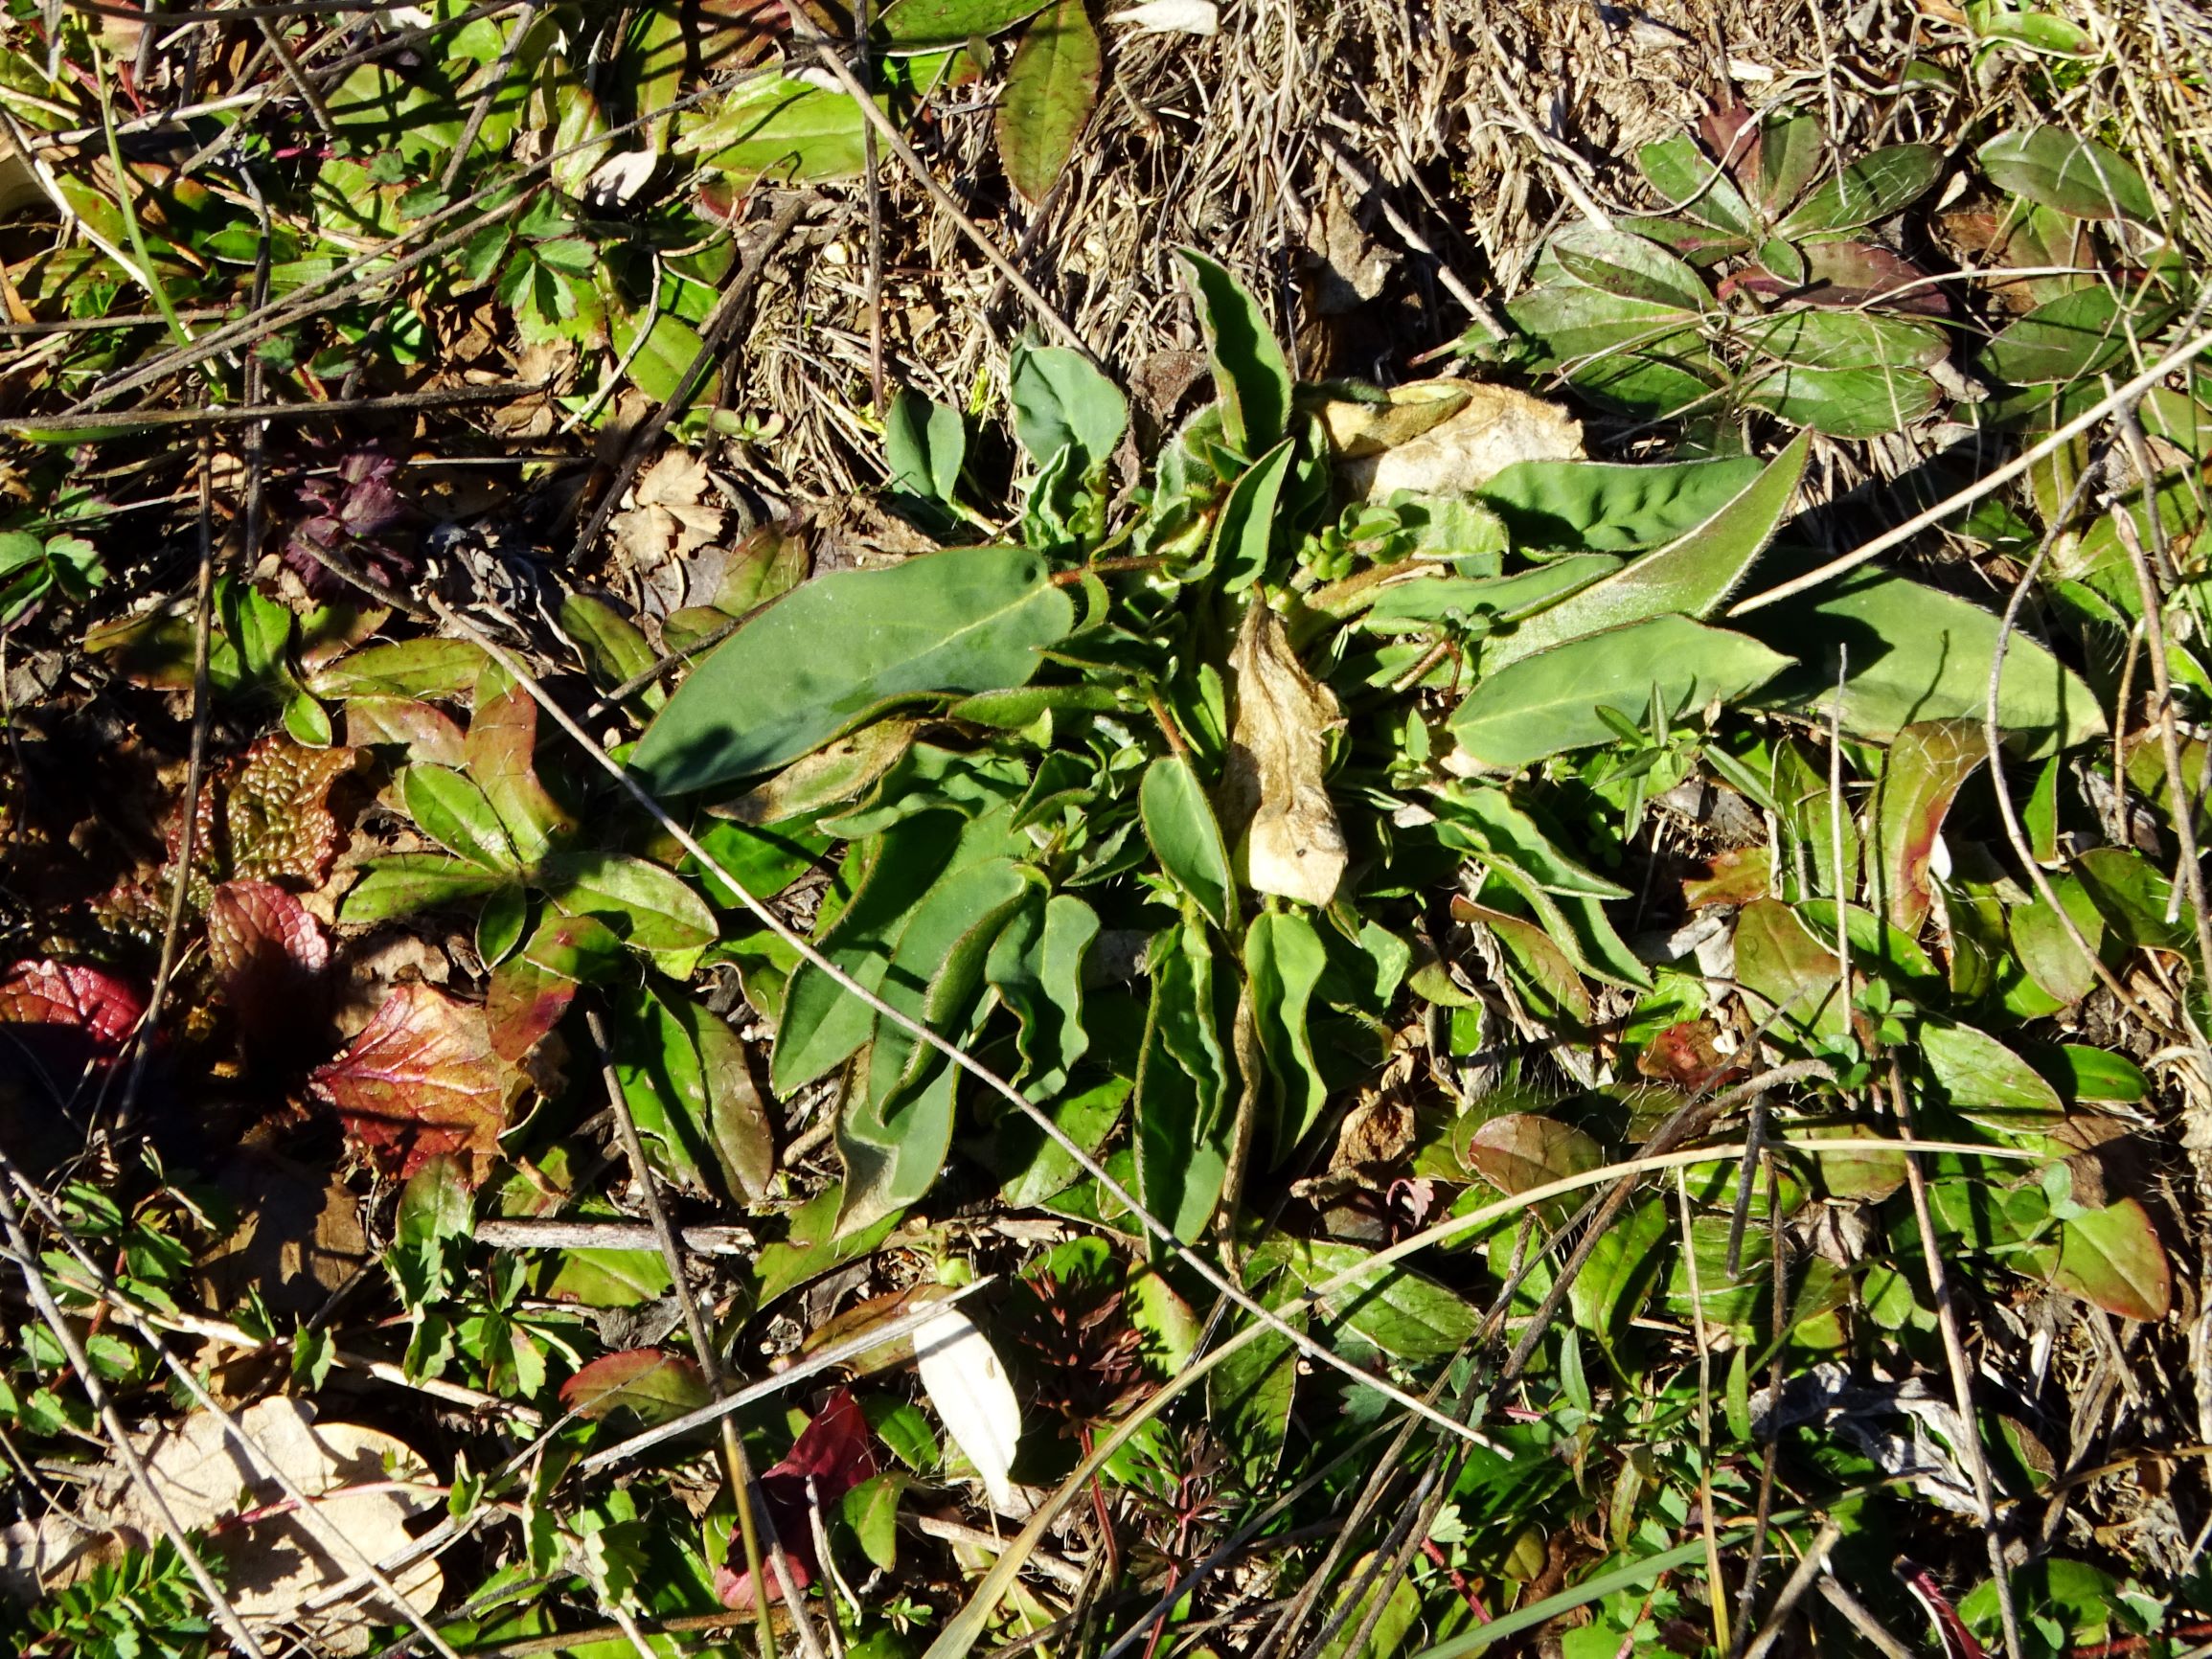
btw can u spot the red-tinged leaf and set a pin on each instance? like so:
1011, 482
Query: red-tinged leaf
1684, 1053
502, 746
1521, 1151
429, 736
1735, 876
651, 1383
2112, 1258
268, 817
79, 1016
422, 1079
523, 1003
1852, 274
270, 957
1928, 764
834, 1455
1051, 89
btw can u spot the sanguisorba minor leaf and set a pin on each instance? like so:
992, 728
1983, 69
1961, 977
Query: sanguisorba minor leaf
1050, 92
1186, 837
1548, 704
1250, 371
1689, 577
840, 648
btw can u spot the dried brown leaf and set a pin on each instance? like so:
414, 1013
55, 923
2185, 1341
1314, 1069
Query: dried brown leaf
1274, 802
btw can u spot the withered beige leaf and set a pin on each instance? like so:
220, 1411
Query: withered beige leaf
1404, 445
1274, 803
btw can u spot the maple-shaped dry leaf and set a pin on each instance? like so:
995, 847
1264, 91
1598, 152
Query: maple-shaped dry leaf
1273, 801
675, 509
422, 1080
270, 957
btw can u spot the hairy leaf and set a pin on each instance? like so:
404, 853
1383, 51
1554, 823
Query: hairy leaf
1611, 506
1251, 372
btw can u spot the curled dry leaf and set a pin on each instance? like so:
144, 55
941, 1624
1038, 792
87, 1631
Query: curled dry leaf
1401, 445
270, 957
422, 1079
832, 1456
365, 1486
966, 1382
674, 510
1274, 803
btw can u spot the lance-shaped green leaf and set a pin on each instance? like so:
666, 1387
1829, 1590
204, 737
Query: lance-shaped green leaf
1245, 528
1283, 961
501, 747
1548, 704
1051, 89
1690, 576
1692, 181
406, 882
1035, 967
1871, 188
1502, 828
1183, 1086
1613, 506
896, 1126
920, 25
1616, 262
1846, 403
1249, 369
839, 650
1186, 836
925, 443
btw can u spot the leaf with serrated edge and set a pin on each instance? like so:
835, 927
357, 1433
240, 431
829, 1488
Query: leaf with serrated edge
1692, 575
422, 1078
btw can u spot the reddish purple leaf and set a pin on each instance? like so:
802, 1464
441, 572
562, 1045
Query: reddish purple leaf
422, 1079
833, 1456
79, 1016
523, 1003
270, 957
268, 816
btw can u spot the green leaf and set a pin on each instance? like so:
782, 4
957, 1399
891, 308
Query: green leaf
1613, 506
1872, 188
871, 1509
1186, 837
2069, 338
1916, 653
614, 648
1790, 152
413, 668
811, 1246
1689, 577
1061, 402
912, 25
500, 924
1283, 962
785, 130
1986, 1081
1183, 1085
1051, 89
1245, 531
1688, 178
1037, 969
1547, 976
1407, 1315
1616, 262
1250, 373
1386, 1635
2113, 1256
1508, 832
896, 1127
1250, 1393
648, 905
1780, 961
405, 882
1622, 1267
924, 444
2076, 176
1814, 337
965, 620
1547, 704
1846, 403
501, 750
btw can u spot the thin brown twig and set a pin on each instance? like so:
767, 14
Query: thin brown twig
194, 780
1809, 1570
250, 414
484, 99
1969, 1450
751, 1523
